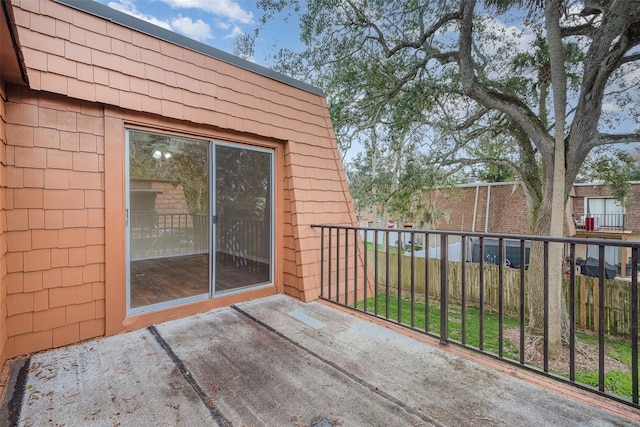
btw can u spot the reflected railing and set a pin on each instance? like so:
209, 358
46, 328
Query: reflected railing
164, 235
242, 242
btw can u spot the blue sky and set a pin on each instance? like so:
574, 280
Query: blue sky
214, 22
218, 22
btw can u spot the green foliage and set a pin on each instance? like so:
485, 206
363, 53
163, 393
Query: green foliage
393, 182
497, 152
614, 168
395, 70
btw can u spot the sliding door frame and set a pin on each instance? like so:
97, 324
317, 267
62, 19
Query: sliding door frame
214, 226
212, 293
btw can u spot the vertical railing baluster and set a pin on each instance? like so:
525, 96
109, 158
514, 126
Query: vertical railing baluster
338, 265
386, 284
601, 325
322, 262
413, 281
572, 312
365, 267
481, 294
501, 262
463, 296
399, 304
346, 266
633, 330
173, 235
546, 307
330, 263
444, 291
375, 274
523, 267
426, 282
355, 267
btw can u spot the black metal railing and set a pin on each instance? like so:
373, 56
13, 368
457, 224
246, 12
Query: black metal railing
472, 289
600, 222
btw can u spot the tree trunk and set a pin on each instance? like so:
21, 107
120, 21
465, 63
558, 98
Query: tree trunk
558, 172
537, 276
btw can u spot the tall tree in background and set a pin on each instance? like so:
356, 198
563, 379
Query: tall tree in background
555, 78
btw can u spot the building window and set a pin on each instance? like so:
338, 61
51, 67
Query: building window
607, 212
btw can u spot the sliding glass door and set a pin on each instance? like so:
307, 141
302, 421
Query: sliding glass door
189, 199
168, 219
243, 209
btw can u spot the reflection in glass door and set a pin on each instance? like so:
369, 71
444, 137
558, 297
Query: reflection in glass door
168, 220
243, 207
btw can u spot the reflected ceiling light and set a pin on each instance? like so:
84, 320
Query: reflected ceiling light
157, 154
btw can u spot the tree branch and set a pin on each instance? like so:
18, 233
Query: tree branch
579, 30
425, 34
471, 120
630, 58
607, 139
508, 104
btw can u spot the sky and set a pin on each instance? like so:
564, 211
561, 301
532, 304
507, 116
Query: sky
219, 22
214, 22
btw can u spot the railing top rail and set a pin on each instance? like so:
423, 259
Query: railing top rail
530, 237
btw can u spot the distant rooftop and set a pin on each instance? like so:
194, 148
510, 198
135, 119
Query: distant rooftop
120, 18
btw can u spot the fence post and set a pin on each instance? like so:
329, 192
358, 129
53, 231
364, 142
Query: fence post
444, 294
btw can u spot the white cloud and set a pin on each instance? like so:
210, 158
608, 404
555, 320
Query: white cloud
223, 25
224, 8
609, 107
198, 30
234, 33
127, 6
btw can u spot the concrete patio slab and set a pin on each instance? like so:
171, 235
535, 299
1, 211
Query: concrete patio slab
276, 362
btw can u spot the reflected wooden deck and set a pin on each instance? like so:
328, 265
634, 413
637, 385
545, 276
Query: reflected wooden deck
159, 280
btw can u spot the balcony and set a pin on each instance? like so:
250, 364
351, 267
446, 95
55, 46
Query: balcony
277, 361
588, 223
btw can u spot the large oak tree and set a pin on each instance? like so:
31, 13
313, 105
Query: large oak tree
556, 78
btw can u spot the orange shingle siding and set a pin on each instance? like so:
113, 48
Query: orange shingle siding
57, 163
126, 65
4, 326
55, 220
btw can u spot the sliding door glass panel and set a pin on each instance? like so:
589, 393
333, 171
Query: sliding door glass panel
244, 217
168, 211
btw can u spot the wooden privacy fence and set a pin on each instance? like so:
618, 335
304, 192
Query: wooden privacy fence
617, 294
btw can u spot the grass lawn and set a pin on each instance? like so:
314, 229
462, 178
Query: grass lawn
617, 380
618, 350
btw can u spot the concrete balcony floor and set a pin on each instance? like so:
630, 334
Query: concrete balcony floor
279, 362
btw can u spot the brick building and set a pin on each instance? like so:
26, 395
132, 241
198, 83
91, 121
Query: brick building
481, 207
93, 102
592, 212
